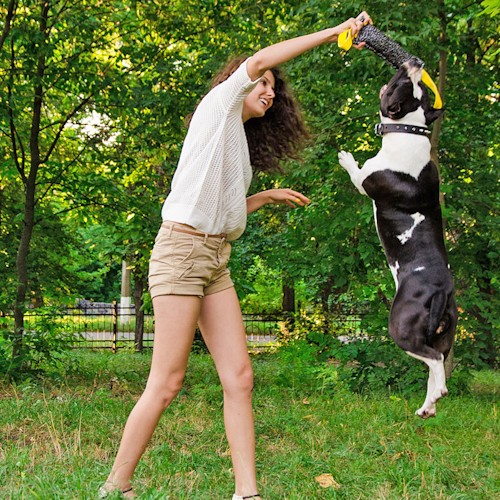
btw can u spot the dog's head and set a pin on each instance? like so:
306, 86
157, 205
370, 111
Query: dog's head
406, 93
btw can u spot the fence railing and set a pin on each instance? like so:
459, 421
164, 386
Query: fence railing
111, 326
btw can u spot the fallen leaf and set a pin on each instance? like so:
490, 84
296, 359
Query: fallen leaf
327, 481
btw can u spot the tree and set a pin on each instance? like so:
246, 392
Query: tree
58, 60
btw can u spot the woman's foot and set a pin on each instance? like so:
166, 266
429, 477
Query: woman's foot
108, 488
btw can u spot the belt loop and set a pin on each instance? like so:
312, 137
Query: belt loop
170, 229
205, 239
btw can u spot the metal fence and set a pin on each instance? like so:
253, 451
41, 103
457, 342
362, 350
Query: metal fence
110, 326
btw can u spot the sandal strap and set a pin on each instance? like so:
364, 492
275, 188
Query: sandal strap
104, 493
251, 496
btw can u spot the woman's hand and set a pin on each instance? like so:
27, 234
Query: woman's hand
355, 25
276, 196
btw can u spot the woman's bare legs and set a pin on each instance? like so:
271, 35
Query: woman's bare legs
222, 327
175, 323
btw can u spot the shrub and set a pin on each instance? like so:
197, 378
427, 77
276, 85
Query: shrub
42, 348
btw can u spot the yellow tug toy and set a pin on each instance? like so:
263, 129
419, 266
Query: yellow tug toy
389, 50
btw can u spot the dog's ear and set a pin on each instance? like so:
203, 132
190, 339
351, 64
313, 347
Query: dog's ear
433, 114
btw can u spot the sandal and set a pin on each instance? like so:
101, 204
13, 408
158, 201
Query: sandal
103, 492
251, 497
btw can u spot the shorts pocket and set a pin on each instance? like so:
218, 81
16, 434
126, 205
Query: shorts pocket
183, 256
183, 270
171, 255
183, 249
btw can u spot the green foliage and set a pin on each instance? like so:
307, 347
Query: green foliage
302, 367
264, 289
378, 364
491, 7
119, 79
362, 365
362, 361
44, 349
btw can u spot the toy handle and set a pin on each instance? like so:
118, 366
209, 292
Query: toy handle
344, 40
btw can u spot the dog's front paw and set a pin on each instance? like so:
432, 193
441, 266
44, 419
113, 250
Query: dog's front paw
347, 161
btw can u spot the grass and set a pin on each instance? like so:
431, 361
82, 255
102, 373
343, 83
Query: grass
58, 438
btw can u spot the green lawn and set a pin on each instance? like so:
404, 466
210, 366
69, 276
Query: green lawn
57, 440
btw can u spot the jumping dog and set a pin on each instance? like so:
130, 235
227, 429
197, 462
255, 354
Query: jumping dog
403, 183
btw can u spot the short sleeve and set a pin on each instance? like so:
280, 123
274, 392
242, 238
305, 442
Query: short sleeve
234, 90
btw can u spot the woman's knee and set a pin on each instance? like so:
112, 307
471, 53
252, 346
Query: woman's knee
165, 391
239, 381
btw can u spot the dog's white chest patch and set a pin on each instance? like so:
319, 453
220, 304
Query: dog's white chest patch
406, 235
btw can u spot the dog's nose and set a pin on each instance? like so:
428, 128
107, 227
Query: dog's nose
382, 91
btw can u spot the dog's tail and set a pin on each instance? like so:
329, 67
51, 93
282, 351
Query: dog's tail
438, 321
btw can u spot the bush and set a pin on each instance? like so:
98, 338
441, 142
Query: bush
364, 363
39, 351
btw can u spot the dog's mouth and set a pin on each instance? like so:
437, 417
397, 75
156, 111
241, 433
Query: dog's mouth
392, 108
413, 65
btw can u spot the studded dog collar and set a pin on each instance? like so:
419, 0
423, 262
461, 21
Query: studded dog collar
385, 128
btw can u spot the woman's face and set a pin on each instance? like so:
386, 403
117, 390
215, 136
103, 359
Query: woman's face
260, 98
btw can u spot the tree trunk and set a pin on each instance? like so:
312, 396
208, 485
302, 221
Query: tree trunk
288, 299
436, 129
11, 10
139, 313
288, 294
29, 191
443, 40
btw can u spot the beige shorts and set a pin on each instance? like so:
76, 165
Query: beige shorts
187, 262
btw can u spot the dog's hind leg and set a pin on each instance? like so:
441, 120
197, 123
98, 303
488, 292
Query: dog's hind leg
428, 409
436, 385
348, 162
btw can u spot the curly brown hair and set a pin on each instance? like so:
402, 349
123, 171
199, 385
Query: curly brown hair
281, 133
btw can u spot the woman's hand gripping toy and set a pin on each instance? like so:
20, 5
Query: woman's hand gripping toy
374, 40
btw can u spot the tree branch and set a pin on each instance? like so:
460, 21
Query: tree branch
11, 11
14, 136
56, 179
63, 124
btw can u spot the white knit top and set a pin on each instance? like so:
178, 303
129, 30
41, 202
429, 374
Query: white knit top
210, 184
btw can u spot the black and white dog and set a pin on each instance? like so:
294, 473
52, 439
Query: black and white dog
403, 183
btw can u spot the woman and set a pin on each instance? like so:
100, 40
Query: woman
248, 118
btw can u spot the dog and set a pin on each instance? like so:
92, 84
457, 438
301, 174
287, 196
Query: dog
403, 183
